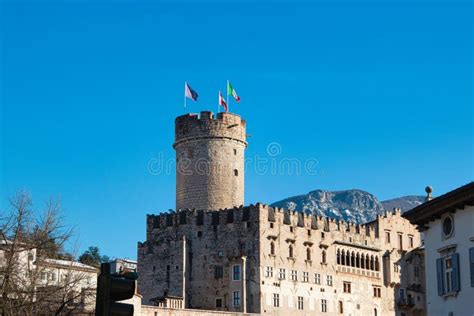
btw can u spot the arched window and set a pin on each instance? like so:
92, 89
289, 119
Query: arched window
353, 259
338, 256
358, 260
343, 258
272, 248
290, 251
375, 312
308, 254
367, 262
377, 267
323, 256
348, 258
372, 263
362, 261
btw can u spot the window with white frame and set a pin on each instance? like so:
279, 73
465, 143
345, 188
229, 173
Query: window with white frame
236, 300
305, 276
276, 300
282, 274
324, 306
300, 303
317, 278
294, 275
269, 272
329, 280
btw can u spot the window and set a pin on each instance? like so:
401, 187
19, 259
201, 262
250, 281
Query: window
269, 272
276, 300
347, 287
300, 302
290, 251
199, 233
341, 307
375, 312
323, 257
387, 236
377, 291
236, 172
281, 274
324, 306
329, 280
236, 298
305, 276
322, 235
317, 278
291, 229
272, 248
220, 253
294, 275
410, 241
271, 225
448, 226
236, 273
218, 302
218, 272
309, 232
395, 268
235, 152
416, 271
400, 241
308, 254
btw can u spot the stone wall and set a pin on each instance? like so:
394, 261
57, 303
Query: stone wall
215, 243
157, 311
326, 255
210, 161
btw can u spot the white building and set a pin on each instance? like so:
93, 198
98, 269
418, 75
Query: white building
50, 285
123, 265
448, 226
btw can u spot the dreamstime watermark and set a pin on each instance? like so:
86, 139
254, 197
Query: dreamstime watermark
273, 163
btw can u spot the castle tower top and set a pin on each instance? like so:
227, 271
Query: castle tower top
210, 160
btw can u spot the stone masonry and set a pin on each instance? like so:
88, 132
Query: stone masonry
215, 254
210, 161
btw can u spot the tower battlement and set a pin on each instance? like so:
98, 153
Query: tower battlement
207, 125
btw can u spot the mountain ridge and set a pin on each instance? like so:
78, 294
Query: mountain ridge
353, 205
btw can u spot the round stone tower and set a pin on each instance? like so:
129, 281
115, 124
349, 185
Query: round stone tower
209, 161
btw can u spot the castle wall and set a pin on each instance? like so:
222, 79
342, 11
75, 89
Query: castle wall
327, 257
215, 242
210, 161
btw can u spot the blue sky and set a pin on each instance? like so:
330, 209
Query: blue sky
379, 92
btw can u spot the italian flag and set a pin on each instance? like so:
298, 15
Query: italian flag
231, 91
222, 102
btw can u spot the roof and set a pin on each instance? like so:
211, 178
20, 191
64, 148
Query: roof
449, 202
68, 264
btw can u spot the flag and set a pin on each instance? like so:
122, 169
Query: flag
189, 92
231, 91
222, 101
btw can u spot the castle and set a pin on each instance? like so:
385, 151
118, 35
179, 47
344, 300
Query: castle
213, 253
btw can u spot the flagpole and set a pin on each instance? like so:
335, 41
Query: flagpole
227, 92
185, 97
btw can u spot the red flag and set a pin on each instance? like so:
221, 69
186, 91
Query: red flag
222, 101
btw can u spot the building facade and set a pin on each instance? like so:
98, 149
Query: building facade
215, 254
447, 223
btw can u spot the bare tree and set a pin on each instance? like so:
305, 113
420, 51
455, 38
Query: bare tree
30, 251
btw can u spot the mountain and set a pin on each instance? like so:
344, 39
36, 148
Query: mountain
405, 202
349, 205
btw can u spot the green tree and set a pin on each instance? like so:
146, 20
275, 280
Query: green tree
92, 257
